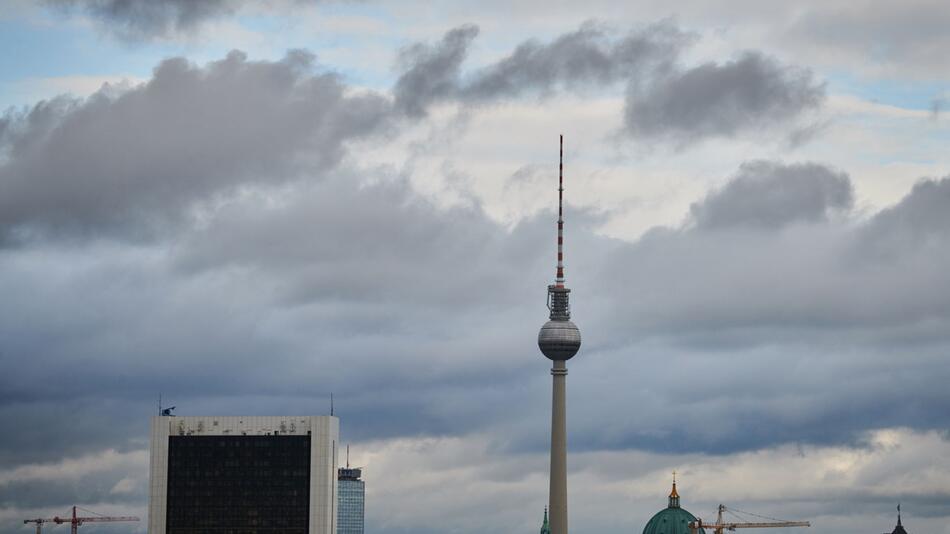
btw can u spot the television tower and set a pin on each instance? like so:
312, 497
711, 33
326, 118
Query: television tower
559, 340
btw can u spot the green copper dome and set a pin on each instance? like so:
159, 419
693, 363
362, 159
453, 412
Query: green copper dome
672, 519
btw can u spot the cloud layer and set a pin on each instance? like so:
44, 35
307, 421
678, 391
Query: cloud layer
137, 19
751, 93
247, 236
665, 100
766, 194
126, 163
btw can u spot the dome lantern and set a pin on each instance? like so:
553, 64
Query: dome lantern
674, 496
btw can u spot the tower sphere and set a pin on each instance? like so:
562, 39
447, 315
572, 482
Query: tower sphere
559, 340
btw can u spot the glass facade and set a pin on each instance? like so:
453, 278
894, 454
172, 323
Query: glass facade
351, 493
238, 484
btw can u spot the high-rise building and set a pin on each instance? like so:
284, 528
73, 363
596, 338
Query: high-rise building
351, 495
254, 475
559, 340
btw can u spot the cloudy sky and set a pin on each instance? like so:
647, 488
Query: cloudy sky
246, 206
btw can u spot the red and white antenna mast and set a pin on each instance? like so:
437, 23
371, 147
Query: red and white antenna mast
559, 276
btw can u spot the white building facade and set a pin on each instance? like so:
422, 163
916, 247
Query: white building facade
254, 474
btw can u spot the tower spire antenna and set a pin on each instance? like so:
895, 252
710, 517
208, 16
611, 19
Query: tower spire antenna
559, 276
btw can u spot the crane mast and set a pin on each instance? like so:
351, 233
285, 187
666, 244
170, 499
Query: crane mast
39, 523
721, 525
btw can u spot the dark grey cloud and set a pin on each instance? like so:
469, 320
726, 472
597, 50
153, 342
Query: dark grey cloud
431, 72
406, 311
780, 265
583, 59
135, 19
765, 194
392, 224
665, 100
587, 58
753, 92
128, 163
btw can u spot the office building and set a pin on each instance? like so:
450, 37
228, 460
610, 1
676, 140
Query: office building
252, 475
351, 499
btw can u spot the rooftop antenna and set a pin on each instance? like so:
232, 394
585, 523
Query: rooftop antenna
347, 455
331, 404
165, 412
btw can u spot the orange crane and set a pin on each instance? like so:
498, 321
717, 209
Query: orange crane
720, 525
75, 520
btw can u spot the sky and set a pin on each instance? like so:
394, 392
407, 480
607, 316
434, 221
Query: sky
247, 206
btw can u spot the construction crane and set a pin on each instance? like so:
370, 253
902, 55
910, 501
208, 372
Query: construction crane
721, 525
39, 523
75, 521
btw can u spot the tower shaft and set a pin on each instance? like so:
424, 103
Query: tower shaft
558, 488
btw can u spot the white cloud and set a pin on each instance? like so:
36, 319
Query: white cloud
126, 485
447, 484
75, 468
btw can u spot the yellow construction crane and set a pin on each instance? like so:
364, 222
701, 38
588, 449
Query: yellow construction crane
721, 525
